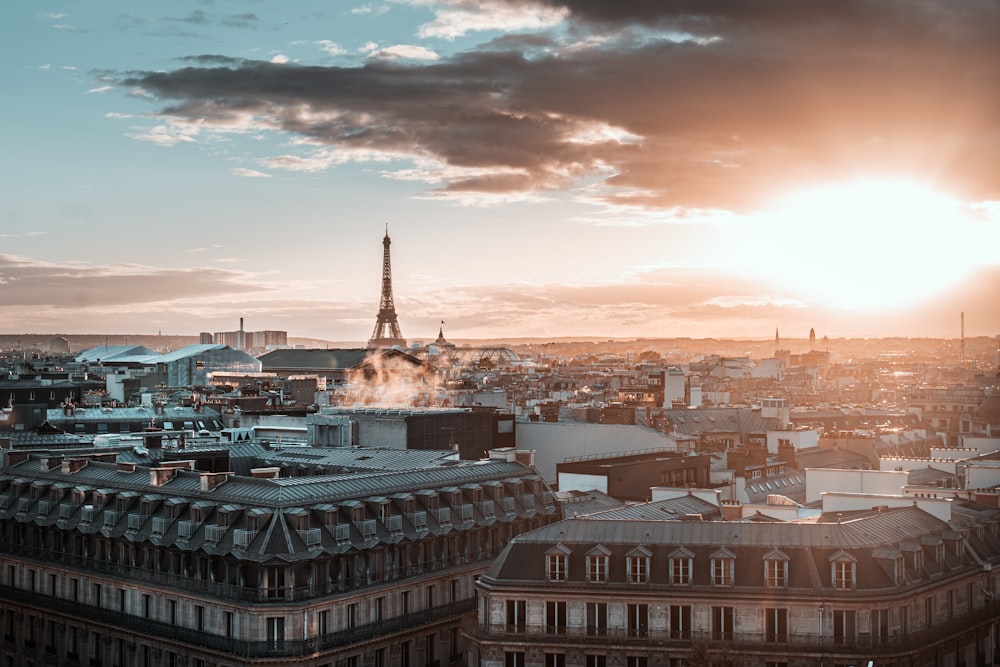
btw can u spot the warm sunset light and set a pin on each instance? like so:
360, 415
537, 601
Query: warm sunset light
545, 167
874, 243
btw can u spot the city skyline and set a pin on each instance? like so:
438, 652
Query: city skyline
546, 168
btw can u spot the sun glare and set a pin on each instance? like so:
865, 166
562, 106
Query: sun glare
869, 244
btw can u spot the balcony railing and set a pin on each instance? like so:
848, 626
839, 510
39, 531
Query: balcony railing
917, 640
204, 586
279, 648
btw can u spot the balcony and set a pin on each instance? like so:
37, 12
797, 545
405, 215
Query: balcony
236, 648
913, 643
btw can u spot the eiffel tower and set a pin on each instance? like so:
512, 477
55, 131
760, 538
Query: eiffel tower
386, 332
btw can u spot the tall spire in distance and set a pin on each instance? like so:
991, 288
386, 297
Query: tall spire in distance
386, 332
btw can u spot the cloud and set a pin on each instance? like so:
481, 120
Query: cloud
279, 59
30, 282
715, 104
404, 52
457, 18
249, 173
65, 27
247, 20
100, 89
331, 48
167, 135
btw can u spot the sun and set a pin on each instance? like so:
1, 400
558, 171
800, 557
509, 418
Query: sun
870, 243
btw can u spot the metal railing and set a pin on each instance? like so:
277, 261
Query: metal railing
206, 586
913, 640
276, 648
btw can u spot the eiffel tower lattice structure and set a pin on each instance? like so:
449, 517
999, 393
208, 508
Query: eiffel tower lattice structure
386, 332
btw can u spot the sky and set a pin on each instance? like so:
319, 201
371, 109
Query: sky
544, 168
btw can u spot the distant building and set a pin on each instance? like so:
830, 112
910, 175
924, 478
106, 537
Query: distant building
59, 345
629, 477
469, 431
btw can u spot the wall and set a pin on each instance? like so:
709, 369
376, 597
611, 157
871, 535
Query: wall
555, 442
819, 480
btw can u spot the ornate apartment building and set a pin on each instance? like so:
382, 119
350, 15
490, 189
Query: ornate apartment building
364, 558
893, 586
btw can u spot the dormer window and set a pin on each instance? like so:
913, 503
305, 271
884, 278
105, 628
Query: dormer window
557, 563
775, 569
843, 571
637, 565
597, 564
723, 568
681, 565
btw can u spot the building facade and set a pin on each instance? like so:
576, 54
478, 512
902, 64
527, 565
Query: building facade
104, 561
895, 586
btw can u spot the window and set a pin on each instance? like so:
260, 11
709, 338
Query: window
379, 609
842, 572
637, 621
597, 564
635, 661
680, 621
880, 626
722, 623
843, 626
556, 564
516, 615
597, 660
199, 618
555, 660
680, 570
775, 570
555, 617
275, 628
513, 659
722, 571
352, 615
230, 628
775, 625
430, 653
597, 619
637, 565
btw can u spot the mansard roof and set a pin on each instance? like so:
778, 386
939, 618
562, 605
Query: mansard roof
259, 518
808, 546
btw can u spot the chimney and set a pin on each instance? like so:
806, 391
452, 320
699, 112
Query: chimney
49, 463
70, 466
525, 457
736, 460
125, 466
212, 480
160, 476
786, 453
12, 458
266, 473
758, 455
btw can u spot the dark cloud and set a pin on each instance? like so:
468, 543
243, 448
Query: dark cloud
212, 59
761, 96
28, 282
